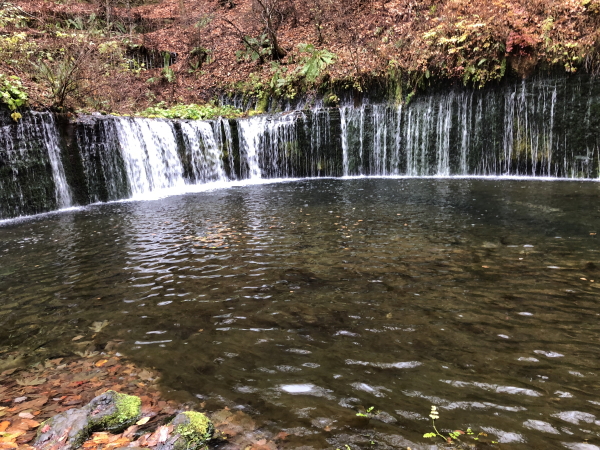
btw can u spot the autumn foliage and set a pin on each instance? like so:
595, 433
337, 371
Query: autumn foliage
240, 45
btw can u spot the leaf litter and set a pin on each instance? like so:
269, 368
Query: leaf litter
29, 396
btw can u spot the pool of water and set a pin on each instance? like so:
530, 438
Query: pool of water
301, 302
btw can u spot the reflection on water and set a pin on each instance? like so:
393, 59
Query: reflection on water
302, 301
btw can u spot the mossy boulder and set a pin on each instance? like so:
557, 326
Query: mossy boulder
110, 411
191, 431
113, 411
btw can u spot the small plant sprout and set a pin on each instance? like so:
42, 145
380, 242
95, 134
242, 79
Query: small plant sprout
453, 435
367, 413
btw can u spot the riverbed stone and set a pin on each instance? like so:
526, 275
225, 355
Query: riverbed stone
65, 431
191, 430
113, 411
110, 411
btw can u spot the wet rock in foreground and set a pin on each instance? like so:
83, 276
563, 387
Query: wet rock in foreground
110, 411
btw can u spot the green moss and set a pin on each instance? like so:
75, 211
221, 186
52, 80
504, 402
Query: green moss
263, 103
127, 410
195, 431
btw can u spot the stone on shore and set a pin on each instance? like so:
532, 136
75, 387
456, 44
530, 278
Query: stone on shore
110, 411
191, 430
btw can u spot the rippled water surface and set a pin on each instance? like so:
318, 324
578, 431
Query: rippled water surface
301, 301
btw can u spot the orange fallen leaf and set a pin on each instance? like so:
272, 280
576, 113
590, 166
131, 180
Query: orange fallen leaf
31, 423
4, 425
101, 362
121, 442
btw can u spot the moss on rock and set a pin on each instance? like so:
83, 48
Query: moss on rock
114, 411
194, 430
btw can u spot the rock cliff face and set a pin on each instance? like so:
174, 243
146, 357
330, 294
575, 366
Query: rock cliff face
541, 127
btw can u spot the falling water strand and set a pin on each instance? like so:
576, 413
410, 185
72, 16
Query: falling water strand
204, 152
61, 187
251, 134
344, 136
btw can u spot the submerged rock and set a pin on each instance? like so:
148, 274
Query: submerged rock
110, 411
191, 430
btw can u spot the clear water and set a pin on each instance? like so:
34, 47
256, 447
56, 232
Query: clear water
299, 301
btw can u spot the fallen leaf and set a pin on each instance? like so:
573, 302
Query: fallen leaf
37, 403
145, 375
281, 436
26, 415
121, 442
31, 423
76, 338
100, 438
143, 421
19, 399
98, 326
31, 381
4, 425
101, 362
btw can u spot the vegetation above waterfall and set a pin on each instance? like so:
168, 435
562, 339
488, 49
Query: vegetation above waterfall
129, 55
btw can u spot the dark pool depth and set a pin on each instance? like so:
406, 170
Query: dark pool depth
300, 301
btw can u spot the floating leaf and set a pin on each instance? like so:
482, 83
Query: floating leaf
31, 381
98, 326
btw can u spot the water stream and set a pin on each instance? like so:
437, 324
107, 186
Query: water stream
300, 301
252, 278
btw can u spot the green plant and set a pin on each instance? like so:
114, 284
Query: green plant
167, 73
13, 94
316, 61
471, 49
11, 15
254, 49
367, 413
199, 56
191, 112
16, 48
63, 75
452, 436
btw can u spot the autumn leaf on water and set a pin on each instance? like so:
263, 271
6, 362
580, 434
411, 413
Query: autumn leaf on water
31, 381
98, 326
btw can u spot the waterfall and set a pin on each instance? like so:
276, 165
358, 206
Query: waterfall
540, 127
224, 140
251, 133
205, 152
61, 188
32, 174
150, 153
